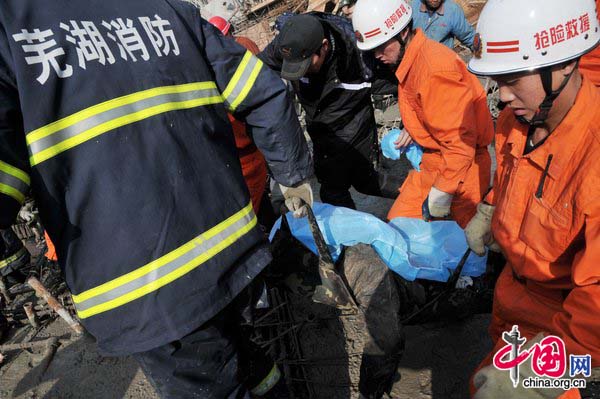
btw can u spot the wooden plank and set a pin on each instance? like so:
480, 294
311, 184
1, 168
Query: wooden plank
263, 4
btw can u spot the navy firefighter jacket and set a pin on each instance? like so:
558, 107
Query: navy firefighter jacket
114, 115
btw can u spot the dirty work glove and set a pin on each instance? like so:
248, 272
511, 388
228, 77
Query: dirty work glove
492, 383
436, 205
479, 230
293, 195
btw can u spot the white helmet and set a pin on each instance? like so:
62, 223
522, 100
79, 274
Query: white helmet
517, 35
377, 21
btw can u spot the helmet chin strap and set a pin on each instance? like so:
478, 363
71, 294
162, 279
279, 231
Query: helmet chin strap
539, 119
403, 42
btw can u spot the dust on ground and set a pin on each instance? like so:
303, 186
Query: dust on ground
437, 361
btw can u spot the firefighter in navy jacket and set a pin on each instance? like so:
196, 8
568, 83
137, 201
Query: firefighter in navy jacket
114, 114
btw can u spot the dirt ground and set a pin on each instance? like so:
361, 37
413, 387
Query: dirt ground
437, 362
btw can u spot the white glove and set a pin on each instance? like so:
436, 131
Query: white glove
492, 383
479, 230
293, 195
439, 203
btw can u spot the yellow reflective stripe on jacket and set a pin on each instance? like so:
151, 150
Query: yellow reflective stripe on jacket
12, 258
13, 182
49, 141
242, 81
268, 382
167, 268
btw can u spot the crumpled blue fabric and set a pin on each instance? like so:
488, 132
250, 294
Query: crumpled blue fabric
412, 248
414, 152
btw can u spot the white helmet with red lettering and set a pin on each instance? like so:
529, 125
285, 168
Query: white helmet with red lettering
517, 35
377, 21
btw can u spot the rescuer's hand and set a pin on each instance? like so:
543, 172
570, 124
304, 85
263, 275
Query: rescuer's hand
492, 383
436, 205
293, 196
403, 140
479, 230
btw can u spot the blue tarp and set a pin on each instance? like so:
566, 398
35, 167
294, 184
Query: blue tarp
412, 248
414, 152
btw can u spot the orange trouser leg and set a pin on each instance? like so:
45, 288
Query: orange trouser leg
469, 193
514, 304
413, 192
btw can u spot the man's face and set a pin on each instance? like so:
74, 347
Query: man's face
433, 4
522, 92
389, 52
318, 59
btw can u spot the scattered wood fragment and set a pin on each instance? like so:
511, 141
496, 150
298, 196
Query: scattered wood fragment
43, 293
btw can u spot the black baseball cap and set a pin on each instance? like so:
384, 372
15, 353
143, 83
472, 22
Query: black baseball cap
300, 37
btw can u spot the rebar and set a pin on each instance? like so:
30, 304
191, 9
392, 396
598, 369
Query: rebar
43, 293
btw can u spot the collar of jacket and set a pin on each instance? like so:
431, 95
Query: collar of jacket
564, 140
338, 58
414, 48
342, 53
439, 11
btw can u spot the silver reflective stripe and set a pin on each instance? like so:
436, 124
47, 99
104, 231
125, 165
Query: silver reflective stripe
201, 246
354, 86
240, 83
13, 182
21, 252
112, 114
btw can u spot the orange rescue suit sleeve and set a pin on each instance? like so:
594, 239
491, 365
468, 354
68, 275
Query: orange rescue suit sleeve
455, 132
579, 324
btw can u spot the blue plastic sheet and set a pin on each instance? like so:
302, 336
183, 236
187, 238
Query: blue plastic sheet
414, 152
412, 248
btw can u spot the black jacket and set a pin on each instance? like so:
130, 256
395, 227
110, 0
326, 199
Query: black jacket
337, 100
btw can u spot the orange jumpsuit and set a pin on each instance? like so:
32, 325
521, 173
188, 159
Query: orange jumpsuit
551, 282
589, 65
254, 167
444, 108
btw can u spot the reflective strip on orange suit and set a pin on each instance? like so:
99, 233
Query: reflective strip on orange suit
551, 282
254, 167
444, 108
